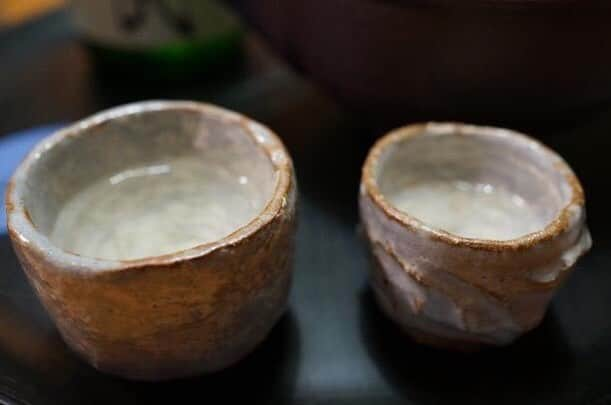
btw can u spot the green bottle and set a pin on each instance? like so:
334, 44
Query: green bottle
160, 38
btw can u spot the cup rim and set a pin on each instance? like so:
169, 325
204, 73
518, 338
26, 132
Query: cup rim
564, 220
22, 230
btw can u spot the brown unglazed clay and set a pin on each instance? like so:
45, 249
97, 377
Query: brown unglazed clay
462, 292
194, 311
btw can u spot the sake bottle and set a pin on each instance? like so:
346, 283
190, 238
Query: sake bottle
169, 38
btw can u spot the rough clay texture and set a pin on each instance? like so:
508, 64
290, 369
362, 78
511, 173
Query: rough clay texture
164, 321
458, 296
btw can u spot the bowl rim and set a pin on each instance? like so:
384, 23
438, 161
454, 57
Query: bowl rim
565, 219
501, 5
22, 230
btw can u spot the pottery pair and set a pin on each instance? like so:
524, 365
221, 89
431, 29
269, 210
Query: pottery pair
205, 307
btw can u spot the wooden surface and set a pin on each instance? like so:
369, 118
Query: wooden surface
333, 346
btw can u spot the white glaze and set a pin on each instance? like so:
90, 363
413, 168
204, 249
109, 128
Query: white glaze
471, 210
157, 209
421, 306
566, 261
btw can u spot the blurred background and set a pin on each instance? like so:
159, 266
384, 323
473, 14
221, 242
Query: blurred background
330, 77
14, 12
513, 62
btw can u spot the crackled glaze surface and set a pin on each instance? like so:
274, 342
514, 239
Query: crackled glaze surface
441, 286
185, 173
161, 208
466, 209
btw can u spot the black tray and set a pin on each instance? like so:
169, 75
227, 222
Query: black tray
333, 345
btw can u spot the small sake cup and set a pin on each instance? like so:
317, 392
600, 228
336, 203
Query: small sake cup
453, 291
196, 310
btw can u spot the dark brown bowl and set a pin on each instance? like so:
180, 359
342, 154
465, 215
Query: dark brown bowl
480, 59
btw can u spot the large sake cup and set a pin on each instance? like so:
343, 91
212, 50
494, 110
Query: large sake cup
137, 295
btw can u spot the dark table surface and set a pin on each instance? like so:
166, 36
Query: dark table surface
333, 345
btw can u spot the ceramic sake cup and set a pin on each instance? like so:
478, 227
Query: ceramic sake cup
459, 292
192, 311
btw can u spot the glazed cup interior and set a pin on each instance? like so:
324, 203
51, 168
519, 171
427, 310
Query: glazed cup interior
149, 182
443, 176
